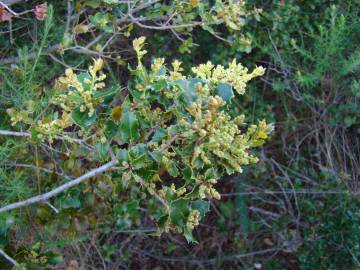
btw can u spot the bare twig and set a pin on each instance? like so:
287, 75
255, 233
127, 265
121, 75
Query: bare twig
167, 145
65, 138
15, 59
305, 192
52, 207
12, 2
14, 133
30, 166
6, 6
44, 197
7, 257
164, 26
233, 257
68, 16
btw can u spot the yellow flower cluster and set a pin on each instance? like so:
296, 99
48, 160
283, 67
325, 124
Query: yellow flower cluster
81, 93
206, 189
157, 65
193, 219
19, 116
235, 74
230, 12
138, 44
176, 74
220, 137
53, 128
172, 189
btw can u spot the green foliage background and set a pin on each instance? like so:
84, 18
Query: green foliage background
298, 208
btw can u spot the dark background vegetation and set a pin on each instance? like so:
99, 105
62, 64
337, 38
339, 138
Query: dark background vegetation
298, 208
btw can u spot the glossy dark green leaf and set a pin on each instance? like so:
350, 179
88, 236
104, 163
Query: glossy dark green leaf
55, 258
122, 155
83, 78
108, 93
179, 212
82, 119
224, 90
202, 206
102, 151
111, 128
159, 135
188, 87
129, 127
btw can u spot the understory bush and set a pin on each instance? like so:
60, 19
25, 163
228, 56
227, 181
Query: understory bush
131, 137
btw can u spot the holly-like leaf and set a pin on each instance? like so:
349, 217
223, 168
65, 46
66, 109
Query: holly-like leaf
179, 212
188, 87
202, 206
122, 155
110, 129
102, 150
224, 90
101, 20
189, 236
159, 135
82, 119
129, 127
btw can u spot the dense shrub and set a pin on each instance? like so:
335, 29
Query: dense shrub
149, 96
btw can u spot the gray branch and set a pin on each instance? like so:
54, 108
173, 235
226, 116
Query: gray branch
14, 133
12, 2
44, 197
7, 257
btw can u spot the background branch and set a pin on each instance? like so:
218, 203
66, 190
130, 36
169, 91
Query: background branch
44, 197
7, 257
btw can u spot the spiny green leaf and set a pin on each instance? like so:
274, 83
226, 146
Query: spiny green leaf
82, 119
129, 127
202, 206
224, 90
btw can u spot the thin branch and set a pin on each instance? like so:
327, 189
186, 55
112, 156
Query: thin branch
157, 196
164, 26
15, 59
54, 48
14, 133
7, 257
68, 16
44, 197
168, 144
6, 6
234, 257
52, 207
30, 166
305, 192
65, 138
12, 2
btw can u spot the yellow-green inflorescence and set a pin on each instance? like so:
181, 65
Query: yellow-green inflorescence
235, 74
81, 93
219, 136
71, 93
177, 133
